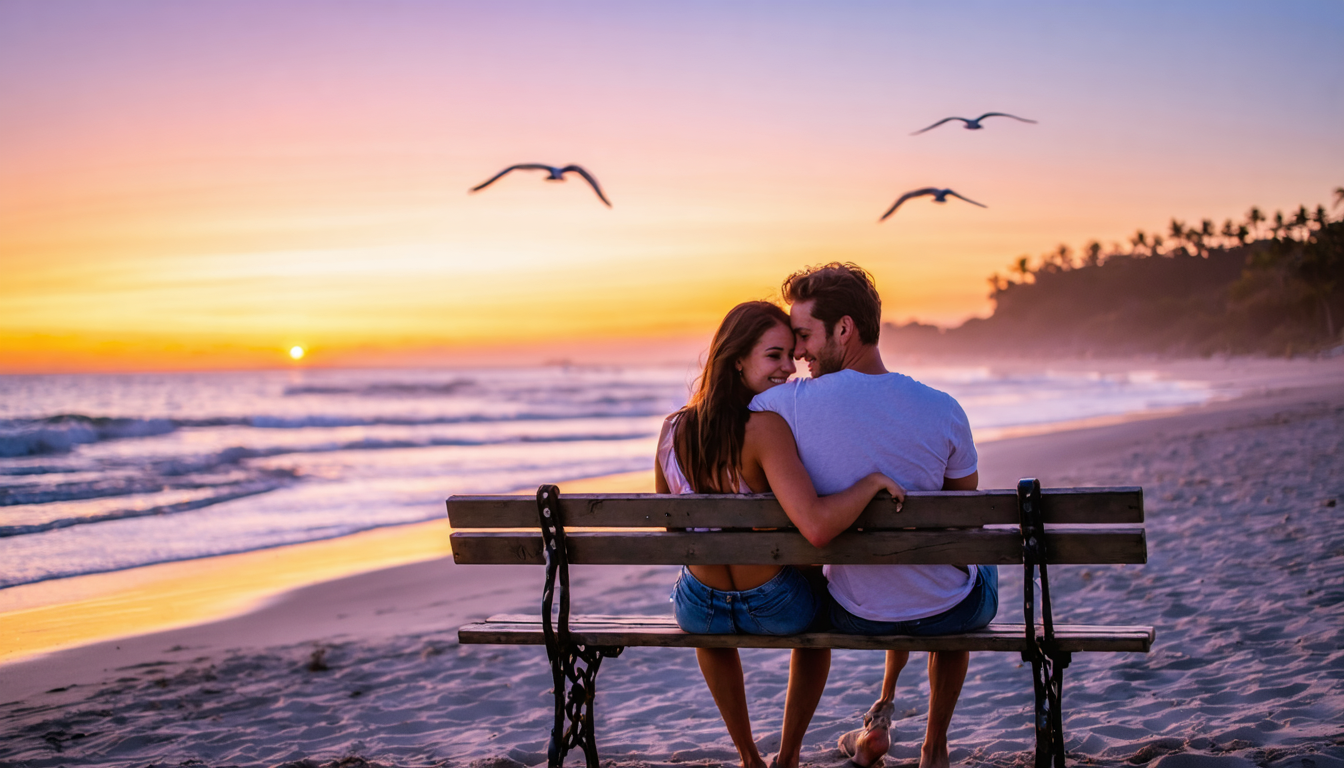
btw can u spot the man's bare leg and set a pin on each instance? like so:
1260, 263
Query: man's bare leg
947, 673
722, 668
896, 661
873, 743
808, 668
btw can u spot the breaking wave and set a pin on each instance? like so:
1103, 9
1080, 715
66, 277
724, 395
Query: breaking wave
60, 434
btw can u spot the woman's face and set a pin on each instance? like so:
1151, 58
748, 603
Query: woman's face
770, 362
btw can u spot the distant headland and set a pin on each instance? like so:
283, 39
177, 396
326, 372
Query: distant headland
1267, 285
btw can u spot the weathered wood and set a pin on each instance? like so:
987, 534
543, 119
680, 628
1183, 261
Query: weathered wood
989, 547
941, 509
662, 631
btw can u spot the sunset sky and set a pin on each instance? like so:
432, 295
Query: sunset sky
208, 184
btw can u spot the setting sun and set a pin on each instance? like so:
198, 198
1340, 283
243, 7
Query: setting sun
296, 352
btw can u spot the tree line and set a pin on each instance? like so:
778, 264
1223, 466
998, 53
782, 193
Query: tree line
1271, 285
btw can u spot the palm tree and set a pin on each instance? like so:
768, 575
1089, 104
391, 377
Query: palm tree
1196, 239
1339, 195
1177, 231
1093, 257
1243, 234
1229, 233
1064, 257
1301, 219
1278, 224
1206, 233
1021, 267
1255, 218
1139, 240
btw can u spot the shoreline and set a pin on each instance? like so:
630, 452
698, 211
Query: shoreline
50, 616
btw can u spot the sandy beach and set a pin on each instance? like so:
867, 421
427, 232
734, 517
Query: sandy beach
344, 652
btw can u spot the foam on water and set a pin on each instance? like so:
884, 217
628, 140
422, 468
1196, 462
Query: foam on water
105, 472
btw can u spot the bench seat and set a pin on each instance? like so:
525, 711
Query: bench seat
663, 632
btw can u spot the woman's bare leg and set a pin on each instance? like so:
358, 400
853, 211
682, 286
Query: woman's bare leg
808, 668
722, 668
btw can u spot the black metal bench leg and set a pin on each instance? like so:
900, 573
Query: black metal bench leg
575, 673
1048, 676
1047, 661
573, 666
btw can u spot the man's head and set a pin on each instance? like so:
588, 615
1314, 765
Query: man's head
834, 311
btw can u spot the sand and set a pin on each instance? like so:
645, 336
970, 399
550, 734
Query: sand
1245, 583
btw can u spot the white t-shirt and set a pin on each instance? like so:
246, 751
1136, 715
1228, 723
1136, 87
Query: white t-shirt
848, 424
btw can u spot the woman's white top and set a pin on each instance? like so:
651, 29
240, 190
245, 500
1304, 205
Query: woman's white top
667, 459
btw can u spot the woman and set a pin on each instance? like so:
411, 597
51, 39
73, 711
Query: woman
716, 445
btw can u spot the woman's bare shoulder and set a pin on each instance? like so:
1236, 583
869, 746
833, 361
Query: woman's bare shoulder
767, 425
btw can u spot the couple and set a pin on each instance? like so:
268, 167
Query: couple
824, 446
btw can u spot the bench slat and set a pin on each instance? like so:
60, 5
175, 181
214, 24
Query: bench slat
941, 509
663, 632
990, 547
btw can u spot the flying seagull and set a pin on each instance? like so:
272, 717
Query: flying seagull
556, 174
939, 196
972, 125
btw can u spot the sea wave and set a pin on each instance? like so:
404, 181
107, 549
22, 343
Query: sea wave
62, 433
37, 469
384, 389
149, 480
202, 470
236, 454
230, 493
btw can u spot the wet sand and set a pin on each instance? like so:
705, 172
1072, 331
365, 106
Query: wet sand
1245, 583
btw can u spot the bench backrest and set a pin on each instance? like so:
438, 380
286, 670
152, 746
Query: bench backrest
1084, 525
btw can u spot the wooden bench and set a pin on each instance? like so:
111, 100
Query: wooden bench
1027, 526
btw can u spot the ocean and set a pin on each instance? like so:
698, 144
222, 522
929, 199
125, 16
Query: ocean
103, 472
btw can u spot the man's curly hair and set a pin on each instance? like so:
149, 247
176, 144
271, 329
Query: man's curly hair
838, 290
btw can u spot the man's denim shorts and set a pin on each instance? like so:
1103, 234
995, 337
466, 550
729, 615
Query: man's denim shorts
784, 605
973, 612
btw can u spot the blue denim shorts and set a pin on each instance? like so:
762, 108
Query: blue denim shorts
973, 612
785, 605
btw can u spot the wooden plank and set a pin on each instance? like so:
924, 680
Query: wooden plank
928, 509
634, 620
990, 547
663, 632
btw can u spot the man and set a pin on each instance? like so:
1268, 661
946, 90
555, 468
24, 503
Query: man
851, 418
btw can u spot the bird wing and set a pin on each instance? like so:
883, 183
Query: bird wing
907, 196
967, 199
940, 122
519, 167
1003, 114
589, 178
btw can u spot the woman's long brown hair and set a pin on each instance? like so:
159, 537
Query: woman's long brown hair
712, 426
